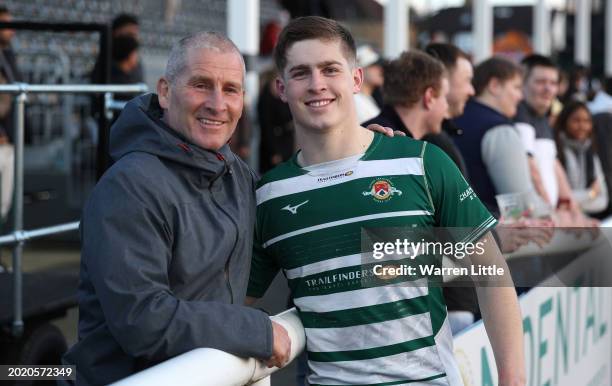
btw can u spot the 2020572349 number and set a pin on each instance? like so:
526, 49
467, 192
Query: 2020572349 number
26, 372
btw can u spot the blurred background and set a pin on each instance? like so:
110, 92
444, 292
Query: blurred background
63, 155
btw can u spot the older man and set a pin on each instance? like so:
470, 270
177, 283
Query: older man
167, 232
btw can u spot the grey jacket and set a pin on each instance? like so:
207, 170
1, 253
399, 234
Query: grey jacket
166, 246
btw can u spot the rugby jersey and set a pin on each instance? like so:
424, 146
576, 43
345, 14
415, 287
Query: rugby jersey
309, 222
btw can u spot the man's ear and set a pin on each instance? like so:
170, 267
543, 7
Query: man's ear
281, 88
493, 86
428, 97
357, 79
163, 93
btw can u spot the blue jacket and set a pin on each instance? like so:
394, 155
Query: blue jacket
477, 119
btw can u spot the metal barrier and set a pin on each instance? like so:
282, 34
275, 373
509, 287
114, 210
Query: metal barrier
18, 237
210, 367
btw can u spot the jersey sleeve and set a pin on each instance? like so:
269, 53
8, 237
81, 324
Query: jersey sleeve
263, 268
455, 203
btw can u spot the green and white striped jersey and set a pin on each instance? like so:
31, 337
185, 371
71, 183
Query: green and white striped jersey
309, 223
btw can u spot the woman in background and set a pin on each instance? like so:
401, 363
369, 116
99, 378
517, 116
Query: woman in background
577, 152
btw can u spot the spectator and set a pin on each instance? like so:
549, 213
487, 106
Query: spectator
277, 140
123, 25
460, 74
602, 134
370, 61
540, 89
415, 91
9, 73
578, 85
602, 101
495, 156
578, 154
492, 147
125, 61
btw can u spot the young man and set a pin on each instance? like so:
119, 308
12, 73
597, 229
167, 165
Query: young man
495, 156
312, 208
415, 92
460, 73
540, 90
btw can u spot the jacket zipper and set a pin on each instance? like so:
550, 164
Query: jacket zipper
212, 196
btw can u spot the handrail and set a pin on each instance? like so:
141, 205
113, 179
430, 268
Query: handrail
22, 236
211, 367
564, 241
19, 236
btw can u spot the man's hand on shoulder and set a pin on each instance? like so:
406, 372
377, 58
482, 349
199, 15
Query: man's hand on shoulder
385, 130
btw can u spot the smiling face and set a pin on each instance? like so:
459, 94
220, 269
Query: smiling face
318, 84
437, 105
204, 103
541, 87
579, 125
509, 94
461, 88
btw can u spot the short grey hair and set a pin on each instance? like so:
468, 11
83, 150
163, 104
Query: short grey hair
214, 41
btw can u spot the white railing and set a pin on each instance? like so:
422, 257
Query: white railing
211, 367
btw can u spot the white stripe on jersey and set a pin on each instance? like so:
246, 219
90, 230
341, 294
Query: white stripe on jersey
362, 297
371, 335
363, 169
416, 364
345, 221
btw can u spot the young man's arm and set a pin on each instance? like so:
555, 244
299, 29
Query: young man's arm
458, 209
501, 315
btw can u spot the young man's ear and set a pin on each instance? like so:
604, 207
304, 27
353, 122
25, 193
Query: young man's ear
493, 86
357, 79
281, 88
163, 93
428, 97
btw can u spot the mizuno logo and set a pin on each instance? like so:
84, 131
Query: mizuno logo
293, 209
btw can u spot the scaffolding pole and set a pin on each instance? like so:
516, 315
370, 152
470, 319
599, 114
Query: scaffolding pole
396, 26
482, 31
541, 28
582, 32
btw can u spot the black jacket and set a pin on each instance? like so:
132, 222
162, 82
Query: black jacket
166, 246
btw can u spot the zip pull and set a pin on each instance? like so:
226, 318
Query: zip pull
220, 157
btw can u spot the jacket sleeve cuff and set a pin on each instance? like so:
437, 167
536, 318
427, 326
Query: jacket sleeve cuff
265, 326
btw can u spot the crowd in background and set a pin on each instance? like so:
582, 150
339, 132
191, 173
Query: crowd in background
553, 124
511, 128
523, 129
560, 119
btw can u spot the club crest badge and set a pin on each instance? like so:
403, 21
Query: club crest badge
382, 190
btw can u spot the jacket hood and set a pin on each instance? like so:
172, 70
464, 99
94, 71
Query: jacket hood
140, 128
